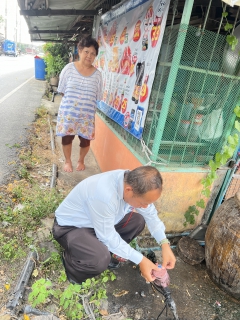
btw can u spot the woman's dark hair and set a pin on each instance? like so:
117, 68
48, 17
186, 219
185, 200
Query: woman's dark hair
143, 179
88, 42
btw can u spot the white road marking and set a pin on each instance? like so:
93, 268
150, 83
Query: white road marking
16, 89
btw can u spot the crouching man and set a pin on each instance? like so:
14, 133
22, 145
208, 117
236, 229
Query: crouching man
102, 215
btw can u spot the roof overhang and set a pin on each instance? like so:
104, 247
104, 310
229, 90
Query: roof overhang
70, 20
60, 20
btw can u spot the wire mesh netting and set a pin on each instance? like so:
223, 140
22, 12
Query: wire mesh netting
200, 113
234, 181
234, 186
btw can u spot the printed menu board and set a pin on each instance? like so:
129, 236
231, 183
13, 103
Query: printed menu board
130, 38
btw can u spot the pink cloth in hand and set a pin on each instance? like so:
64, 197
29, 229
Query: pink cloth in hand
162, 277
118, 258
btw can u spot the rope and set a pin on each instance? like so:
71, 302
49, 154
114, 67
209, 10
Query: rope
149, 153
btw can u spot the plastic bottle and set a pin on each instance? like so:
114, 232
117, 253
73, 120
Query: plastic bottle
138, 66
162, 277
139, 80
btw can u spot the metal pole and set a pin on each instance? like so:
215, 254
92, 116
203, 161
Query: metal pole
220, 24
23, 281
51, 136
235, 21
155, 111
54, 166
16, 28
6, 19
206, 16
172, 77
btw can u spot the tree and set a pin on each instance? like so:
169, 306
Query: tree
56, 57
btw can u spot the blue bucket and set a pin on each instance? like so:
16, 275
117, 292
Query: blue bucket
40, 66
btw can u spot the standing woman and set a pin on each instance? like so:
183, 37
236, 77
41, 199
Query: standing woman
80, 84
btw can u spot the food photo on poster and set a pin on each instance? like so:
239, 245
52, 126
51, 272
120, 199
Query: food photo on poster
130, 38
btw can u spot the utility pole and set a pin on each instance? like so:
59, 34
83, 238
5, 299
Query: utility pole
5, 19
16, 27
20, 30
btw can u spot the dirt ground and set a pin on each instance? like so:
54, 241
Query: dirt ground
195, 295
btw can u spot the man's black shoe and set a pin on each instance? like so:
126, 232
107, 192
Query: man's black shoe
114, 264
67, 274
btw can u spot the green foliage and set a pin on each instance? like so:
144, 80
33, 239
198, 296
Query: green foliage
190, 215
15, 145
206, 192
54, 260
41, 112
228, 26
10, 249
133, 243
62, 277
70, 302
225, 14
41, 291
237, 125
220, 159
23, 172
23, 204
200, 204
237, 111
56, 57
36, 204
231, 39
70, 299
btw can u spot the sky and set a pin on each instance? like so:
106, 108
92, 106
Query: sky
17, 28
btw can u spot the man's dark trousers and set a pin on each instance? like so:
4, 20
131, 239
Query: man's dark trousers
85, 255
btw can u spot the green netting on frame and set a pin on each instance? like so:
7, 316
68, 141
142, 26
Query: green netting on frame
203, 95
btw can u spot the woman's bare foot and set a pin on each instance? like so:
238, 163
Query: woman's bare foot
68, 167
80, 166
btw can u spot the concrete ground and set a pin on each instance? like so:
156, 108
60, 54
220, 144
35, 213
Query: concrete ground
130, 297
74, 177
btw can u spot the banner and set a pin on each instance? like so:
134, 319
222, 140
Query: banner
130, 38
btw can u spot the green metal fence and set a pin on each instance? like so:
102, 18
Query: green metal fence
195, 90
200, 114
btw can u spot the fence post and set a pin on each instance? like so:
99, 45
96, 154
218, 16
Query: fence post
172, 77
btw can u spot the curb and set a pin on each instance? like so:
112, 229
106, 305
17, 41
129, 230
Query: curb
54, 166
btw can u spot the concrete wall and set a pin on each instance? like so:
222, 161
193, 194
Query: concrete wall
180, 189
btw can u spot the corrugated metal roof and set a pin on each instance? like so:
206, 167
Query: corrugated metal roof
59, 20
48, 20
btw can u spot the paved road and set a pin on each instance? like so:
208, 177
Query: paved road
20, 95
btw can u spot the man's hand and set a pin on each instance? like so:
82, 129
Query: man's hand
168, 258
146, 266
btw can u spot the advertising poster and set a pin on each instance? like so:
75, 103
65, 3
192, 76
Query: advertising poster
129, 40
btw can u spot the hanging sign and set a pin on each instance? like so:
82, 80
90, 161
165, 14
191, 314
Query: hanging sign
129, 40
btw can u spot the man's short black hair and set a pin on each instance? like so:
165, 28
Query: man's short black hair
143, 179
88, 42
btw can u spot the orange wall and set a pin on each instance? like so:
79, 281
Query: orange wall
109, 151
180, 189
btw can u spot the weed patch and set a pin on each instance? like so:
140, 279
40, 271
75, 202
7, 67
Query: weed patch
71, 298
24, 203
